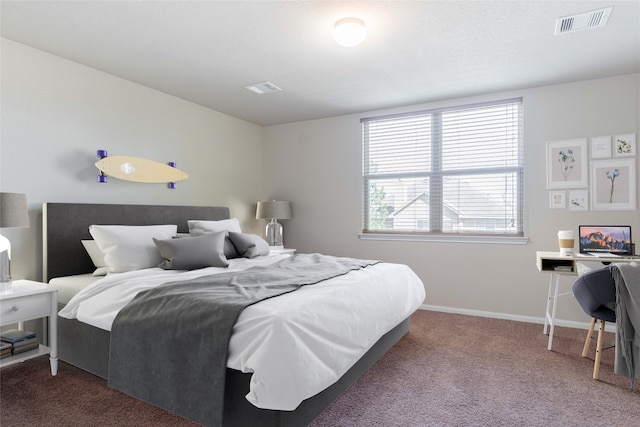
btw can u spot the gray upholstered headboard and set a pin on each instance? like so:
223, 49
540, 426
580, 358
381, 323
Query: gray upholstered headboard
64, 225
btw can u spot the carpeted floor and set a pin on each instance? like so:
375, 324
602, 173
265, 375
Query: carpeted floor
449, 370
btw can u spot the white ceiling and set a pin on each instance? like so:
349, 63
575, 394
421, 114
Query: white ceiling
415, 51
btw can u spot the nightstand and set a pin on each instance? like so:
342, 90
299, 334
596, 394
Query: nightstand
26, 300
282, 251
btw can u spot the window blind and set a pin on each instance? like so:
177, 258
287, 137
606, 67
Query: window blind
455, 170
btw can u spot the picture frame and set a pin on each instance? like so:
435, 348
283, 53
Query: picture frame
600, 147
557, 199
567, 164
624, 145
613, 184
578, 200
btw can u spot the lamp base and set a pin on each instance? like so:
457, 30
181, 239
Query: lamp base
5, 260
273, 233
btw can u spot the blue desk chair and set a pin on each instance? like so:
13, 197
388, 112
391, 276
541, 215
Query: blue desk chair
596, 294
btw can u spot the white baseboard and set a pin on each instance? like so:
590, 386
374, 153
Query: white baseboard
609, 327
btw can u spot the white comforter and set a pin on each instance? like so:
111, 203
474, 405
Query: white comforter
297, 344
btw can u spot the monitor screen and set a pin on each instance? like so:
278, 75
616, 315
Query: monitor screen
615, 239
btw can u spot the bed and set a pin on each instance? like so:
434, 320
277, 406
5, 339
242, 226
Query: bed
87, 345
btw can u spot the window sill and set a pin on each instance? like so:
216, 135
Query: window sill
503, 240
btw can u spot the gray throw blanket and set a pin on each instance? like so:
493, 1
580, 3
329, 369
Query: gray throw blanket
627, 279
169, 344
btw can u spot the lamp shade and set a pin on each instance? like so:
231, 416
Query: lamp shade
13, 210
274, 210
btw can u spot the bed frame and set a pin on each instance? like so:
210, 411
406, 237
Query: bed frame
87, 347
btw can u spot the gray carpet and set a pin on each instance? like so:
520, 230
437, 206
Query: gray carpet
450, 370
454, 370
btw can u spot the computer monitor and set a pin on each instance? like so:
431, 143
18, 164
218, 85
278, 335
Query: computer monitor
614, 239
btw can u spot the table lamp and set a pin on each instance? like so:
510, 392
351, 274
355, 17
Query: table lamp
13, 213
274, 210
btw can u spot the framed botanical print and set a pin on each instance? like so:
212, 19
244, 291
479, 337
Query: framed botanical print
567, 164
578, 200
624, 145
613, 184
600, 147
557, 199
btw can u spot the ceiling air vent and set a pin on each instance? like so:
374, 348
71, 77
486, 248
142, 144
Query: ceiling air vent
583, 21
264, 87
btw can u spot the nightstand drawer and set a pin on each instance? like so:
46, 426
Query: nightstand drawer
24, 308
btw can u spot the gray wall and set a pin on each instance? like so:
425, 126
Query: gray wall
57, 113
317, 165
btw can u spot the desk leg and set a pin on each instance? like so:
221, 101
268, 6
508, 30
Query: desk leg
550, 318
549, 297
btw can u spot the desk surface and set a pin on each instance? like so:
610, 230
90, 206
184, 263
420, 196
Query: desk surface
566, 264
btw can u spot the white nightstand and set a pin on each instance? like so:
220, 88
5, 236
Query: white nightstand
282, 251
27, 300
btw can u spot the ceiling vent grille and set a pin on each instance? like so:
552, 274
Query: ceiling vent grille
264, 87
583, 21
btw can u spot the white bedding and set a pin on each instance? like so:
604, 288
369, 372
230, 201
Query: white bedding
69, 286
297, 344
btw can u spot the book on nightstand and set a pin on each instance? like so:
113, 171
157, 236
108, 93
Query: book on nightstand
5, 349
26, 347
18, 341
14, 335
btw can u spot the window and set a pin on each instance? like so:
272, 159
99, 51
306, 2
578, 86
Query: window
448, 171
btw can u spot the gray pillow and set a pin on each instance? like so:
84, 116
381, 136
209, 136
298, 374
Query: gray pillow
200, 227
190, 253
249, 245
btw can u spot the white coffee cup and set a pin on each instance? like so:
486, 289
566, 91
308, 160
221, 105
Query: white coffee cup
566, 241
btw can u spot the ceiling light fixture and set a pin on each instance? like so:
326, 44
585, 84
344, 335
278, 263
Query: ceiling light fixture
349, 32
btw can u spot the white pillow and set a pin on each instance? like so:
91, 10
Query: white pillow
130, 247
100, 271
198, 227
96, 256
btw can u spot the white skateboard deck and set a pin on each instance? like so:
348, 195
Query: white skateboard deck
139, 170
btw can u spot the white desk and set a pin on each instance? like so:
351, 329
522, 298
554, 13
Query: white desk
558, 265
